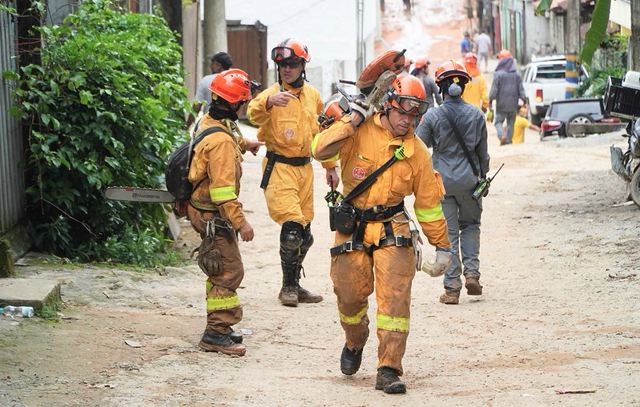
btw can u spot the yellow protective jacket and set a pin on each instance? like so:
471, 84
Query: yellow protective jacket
361, 151
216, 170
288, 130
475, 92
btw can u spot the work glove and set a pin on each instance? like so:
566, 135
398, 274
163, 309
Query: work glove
443, 261
362, 110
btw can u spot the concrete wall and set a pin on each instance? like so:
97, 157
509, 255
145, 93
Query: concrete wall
537, 37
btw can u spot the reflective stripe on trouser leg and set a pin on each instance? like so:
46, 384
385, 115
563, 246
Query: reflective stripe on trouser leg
395, 269
223, 305
352, 276
289, 194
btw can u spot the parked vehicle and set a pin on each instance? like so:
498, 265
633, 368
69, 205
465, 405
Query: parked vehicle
622, 98
569, 118
544, 82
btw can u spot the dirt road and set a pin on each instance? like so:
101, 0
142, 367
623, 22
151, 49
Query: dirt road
560, 311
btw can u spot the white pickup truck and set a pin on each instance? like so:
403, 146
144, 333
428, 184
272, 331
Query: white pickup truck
543, 81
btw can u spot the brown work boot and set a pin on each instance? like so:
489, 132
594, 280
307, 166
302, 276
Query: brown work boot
473, 286
217, 342
305, 296
388, 381
450, 297
289, 296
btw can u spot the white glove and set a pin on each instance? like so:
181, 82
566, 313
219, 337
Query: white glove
361, 110
439, 266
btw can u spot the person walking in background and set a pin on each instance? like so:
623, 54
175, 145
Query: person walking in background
465, 44
506, 90
421, 71
220, 61
287, 113
475, 92
483, 49
458, 134
520, 125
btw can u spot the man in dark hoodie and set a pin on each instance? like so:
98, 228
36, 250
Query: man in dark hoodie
506, 90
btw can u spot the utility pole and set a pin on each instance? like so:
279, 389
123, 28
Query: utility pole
572, 47
634, 40
360, 49
214, 34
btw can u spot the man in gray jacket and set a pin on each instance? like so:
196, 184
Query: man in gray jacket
460, 176
506, 89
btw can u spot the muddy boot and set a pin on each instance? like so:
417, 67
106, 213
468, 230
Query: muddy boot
388, 381
236, 337
289, 296
473, 286
304, 296
350, 360
217, 342
450, 297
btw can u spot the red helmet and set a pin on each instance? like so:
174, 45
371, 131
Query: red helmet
452, 69
421, 63
504, 53
290, 48
232, 85
407, 94
470, 58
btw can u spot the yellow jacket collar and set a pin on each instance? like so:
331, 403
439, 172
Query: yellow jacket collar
408, 139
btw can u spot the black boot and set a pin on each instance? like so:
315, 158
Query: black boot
216, 342
236, 337
304, 296
388, 381
291, 238
350, 360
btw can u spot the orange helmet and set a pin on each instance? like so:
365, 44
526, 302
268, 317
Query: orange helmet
421, 63
407, 94
470, 58
290, 48
407, 62
452, 69
232, 85
504, 53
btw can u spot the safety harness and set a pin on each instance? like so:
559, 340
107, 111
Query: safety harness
378, 213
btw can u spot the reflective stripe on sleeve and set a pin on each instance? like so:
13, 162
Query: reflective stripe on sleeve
223, 193
429, 215
220, 303
389, 323
354, 319
314, 143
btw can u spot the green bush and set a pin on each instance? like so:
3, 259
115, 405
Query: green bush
609, 60
106, 107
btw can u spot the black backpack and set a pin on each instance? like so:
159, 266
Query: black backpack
176, 175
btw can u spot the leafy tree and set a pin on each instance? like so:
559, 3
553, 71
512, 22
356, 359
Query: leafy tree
106, 107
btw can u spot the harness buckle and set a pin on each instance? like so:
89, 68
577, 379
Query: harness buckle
348, 246
399, 240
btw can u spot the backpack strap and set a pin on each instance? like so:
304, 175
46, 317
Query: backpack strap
467, 154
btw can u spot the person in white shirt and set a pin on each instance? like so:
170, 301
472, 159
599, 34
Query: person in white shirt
483, 48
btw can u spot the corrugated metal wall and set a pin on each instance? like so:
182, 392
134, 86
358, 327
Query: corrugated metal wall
11, 153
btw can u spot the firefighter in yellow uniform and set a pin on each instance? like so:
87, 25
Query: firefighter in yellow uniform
377, 253
287, 114
475, 92
216, 213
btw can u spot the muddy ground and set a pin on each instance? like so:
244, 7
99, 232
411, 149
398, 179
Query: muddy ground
561, 311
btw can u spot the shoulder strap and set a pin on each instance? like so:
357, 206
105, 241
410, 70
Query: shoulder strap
200, 137
367, 182
467, 154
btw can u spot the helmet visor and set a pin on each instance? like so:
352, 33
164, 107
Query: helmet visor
411, 105
281, 53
